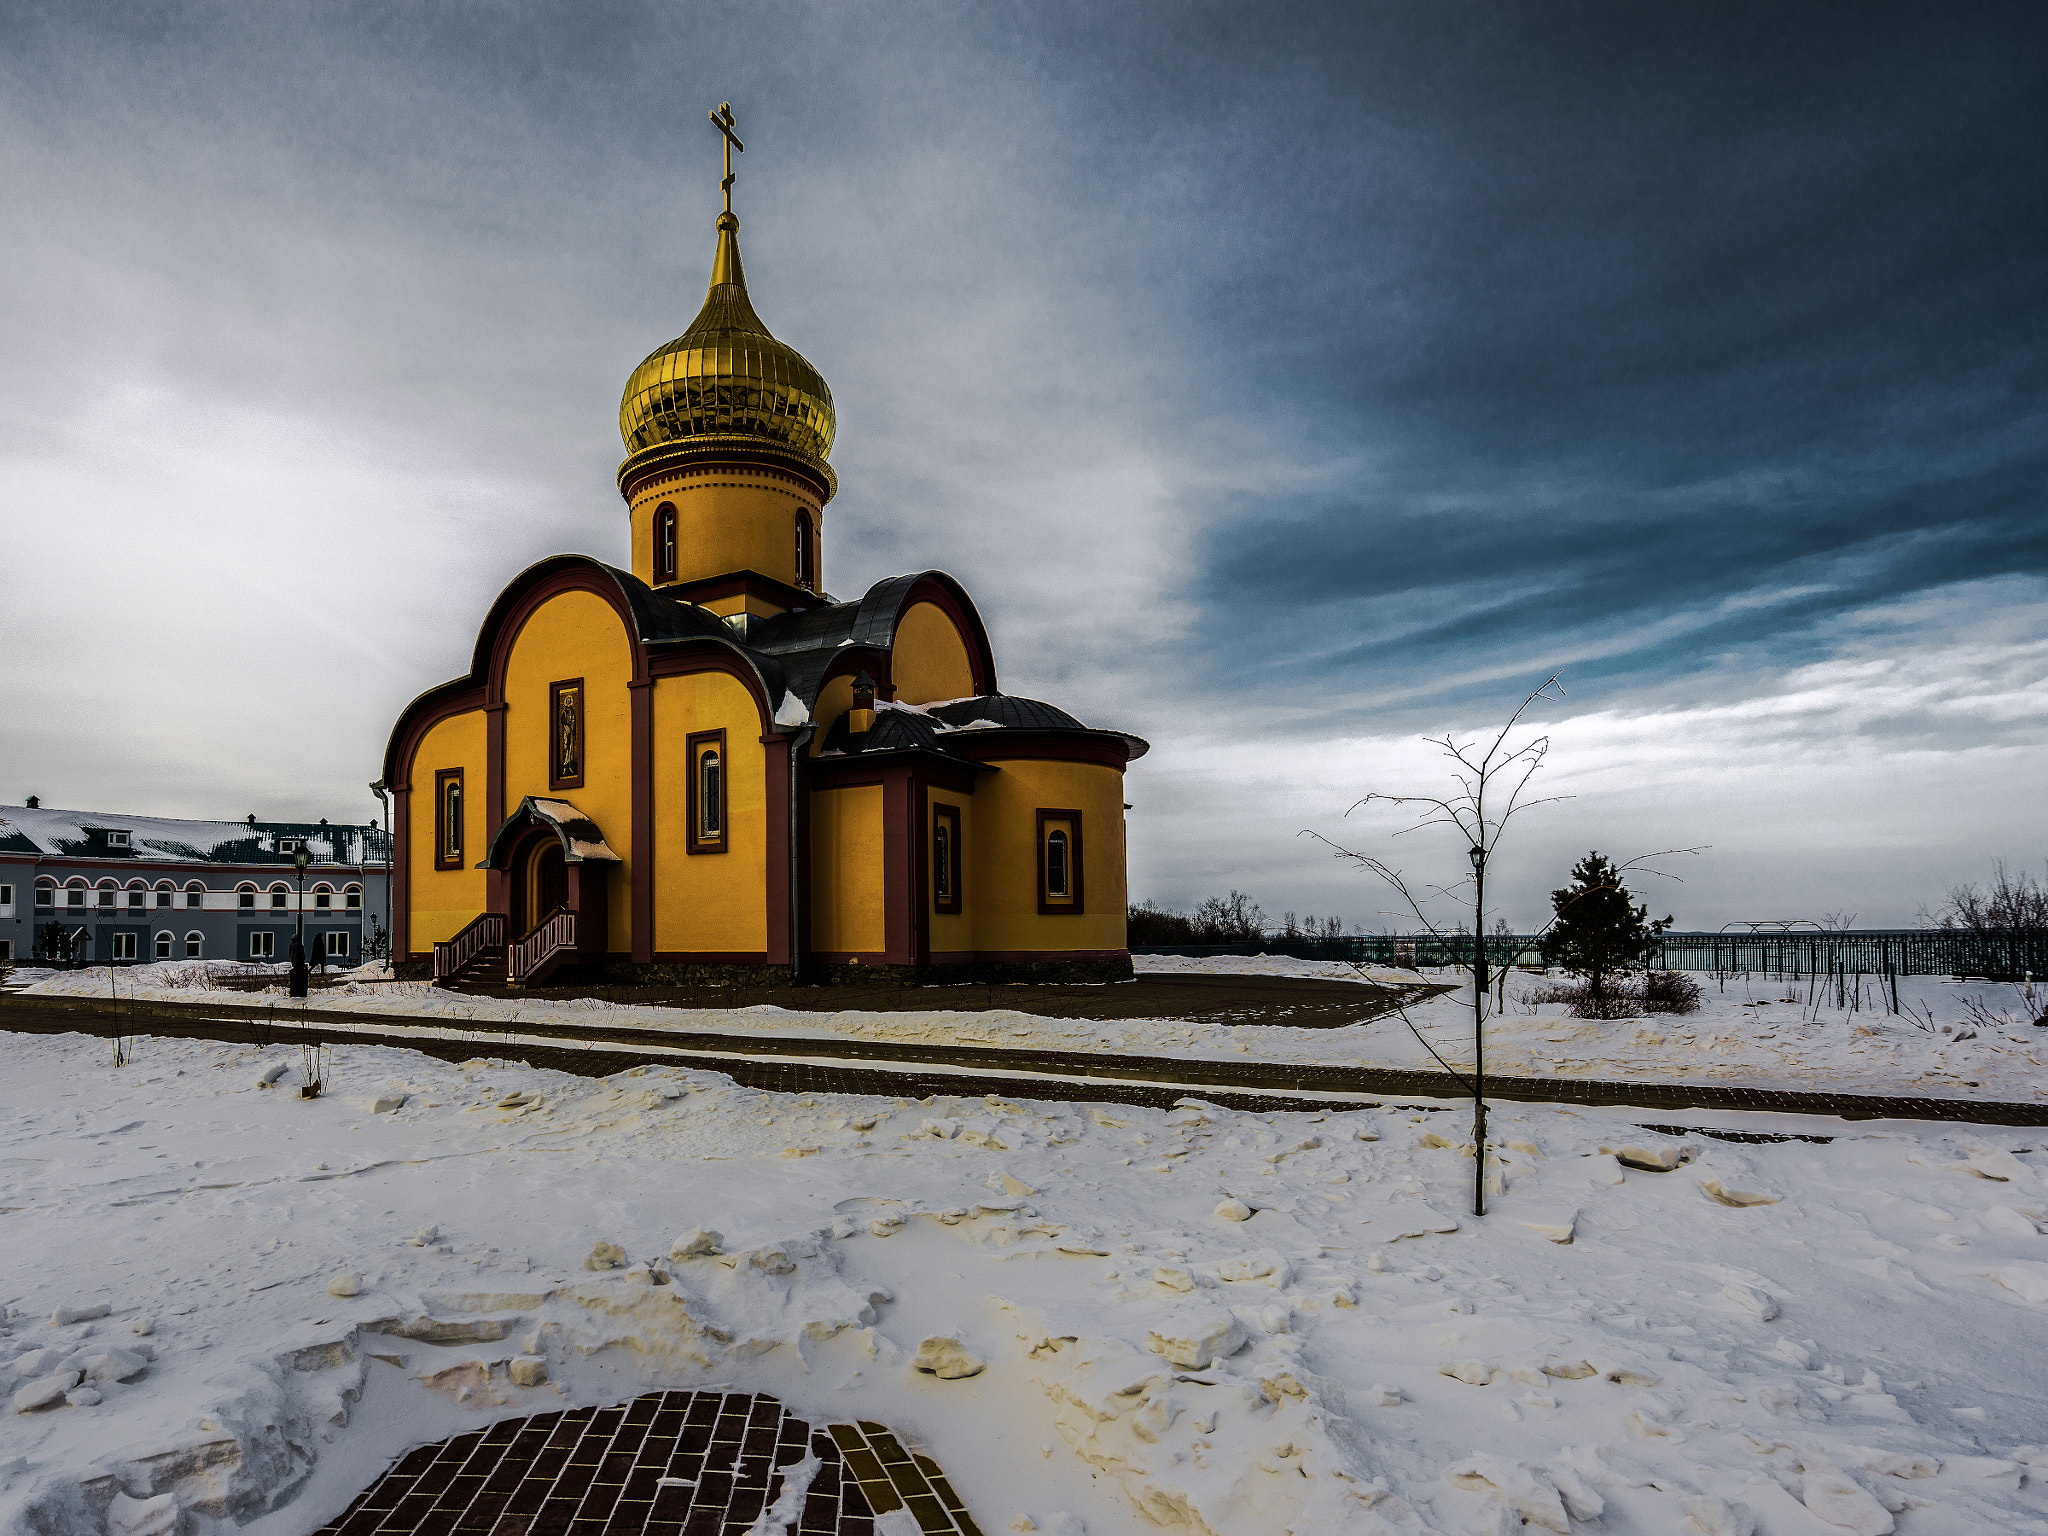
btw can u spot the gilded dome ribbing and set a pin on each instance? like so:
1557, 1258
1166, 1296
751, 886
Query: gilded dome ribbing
727, 377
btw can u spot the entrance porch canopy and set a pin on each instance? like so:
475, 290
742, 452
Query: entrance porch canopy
581, 840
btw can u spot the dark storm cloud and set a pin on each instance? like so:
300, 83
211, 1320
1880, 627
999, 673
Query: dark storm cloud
1646, 309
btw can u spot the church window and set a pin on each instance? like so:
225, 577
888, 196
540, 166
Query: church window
945, 858
352, 898
195, 945
323, 898
46, 896
262, 946
337, 943
106, 894
75, 897
123, 947
165, 896
137, 896
280, 896
806, 554
448, 819
245, 896
195, 897
665, 542
1059, 861
565, 734
163, 946
706, 798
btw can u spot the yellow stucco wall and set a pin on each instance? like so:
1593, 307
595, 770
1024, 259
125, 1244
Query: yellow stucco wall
1002, 858
440, 903
929, 659
742, 602
709, 901
846, 869
834, 700
731, 519
576, 634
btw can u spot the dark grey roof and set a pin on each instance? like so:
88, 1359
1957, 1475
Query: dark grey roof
937, 727
664, 621
807, 641
895, 730
1008, 709
870, 621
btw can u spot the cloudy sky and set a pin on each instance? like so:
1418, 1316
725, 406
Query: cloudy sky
1288, 384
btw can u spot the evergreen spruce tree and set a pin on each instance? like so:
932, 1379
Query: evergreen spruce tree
1600, 930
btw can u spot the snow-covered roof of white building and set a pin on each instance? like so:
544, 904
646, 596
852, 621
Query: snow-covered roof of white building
52, 833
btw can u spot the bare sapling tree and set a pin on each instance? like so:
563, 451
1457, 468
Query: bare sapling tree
1490, 782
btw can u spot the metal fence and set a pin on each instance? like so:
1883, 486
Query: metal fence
1870, 952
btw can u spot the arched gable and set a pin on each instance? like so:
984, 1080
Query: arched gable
654, 625
520, 601
881, 612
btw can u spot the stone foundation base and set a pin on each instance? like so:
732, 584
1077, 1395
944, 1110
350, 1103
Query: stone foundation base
981, 973
617, 972
624, 973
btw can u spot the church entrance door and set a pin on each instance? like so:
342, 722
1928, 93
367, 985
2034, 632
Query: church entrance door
543, 885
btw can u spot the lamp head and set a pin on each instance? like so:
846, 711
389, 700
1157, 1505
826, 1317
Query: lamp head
301, 859
1478, 857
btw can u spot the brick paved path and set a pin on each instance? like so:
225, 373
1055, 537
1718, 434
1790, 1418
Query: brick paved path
667, 1464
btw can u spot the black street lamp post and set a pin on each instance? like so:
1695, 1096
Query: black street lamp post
298, 979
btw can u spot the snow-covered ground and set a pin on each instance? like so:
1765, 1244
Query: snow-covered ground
1972, 1040
1197, 1319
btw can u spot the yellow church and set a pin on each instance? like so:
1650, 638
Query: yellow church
707, 766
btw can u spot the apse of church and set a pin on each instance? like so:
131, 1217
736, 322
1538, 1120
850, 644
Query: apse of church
707, 765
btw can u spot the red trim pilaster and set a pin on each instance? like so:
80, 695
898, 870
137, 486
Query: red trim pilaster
401, 873
775, 871
496, 892
641, 691
900, 794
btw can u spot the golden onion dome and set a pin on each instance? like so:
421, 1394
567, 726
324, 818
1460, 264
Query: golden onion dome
727, 378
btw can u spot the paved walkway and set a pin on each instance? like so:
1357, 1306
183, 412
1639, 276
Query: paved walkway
667, 1464
783, 1064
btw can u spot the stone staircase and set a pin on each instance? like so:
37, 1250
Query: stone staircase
484, 974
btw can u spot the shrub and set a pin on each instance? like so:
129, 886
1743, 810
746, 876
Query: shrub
1670, 992
1657, 992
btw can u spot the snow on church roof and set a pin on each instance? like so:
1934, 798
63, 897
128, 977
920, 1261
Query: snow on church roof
52, 833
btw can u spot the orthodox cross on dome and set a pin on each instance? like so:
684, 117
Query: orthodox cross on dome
722, 121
